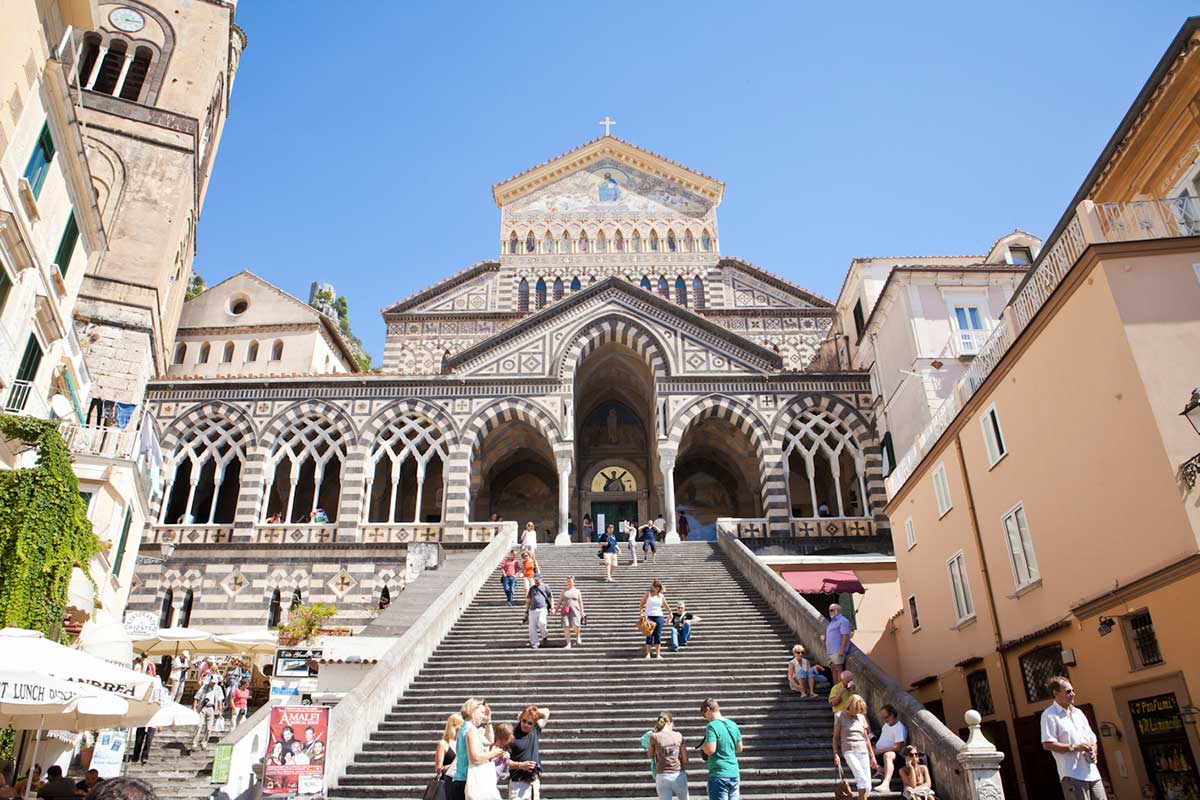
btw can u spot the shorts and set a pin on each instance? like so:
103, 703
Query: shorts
801, 674
837, 660
572, 619
1075, 789
522, 790
650, 546
610, 558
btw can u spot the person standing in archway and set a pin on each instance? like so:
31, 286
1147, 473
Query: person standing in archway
683, 526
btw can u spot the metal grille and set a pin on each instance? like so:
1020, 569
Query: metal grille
981, 692
1039, 666
1145, 642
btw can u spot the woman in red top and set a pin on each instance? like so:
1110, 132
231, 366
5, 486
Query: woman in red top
241, 699
528, 569
508, 575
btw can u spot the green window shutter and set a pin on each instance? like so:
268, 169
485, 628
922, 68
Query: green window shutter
66, 246
121, 544
5, 288
30, 361
39, 161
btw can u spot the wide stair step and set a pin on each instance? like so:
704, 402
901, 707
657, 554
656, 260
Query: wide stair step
603, 694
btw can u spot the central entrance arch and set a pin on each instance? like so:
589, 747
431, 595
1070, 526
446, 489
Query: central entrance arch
616, 446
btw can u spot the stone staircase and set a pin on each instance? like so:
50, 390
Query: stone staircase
173, 768
603, 695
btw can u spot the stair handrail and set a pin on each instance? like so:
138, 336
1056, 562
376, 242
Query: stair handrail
926, 731
359, 713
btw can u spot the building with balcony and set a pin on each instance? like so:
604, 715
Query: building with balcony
104, 159
915, 324
1046, 520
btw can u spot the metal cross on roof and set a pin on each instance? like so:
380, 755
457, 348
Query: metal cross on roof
607, 123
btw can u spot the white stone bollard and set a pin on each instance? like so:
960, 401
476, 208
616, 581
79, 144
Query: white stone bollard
980, 761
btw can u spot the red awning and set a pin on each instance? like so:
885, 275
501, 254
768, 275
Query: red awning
824, 582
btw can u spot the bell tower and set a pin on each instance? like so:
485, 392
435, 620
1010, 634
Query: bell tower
152, 85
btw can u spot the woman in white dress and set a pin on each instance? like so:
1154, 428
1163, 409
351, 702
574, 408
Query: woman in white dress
482, 773
529, 538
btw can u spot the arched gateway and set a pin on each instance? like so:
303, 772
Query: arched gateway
610, 362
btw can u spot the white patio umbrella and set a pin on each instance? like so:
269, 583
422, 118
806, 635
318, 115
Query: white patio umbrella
28, 651
26, 692
100, 709
174, 715
173, 641
250, 642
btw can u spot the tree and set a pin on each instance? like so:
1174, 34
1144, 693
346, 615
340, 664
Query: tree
341, 308
196, 285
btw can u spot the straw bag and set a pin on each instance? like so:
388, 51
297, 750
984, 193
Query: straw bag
645, 625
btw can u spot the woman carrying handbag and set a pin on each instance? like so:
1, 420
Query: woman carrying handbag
852, 744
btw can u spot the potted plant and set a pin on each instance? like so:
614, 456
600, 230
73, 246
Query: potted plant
87, 746
304, 623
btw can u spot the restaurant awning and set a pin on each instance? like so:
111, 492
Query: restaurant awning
833, 581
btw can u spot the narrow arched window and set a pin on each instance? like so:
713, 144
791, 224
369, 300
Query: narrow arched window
135, 76
252, 351
227, 353
548, 243
601, 243
559, 289
185, 610
297, 600
619, 242
540, 292
513, 244
565, 247
583, 242
445, 361
385, 598
663, 289
180, 353
277, 350
87, 57
110, 67
274, 610
523, 295
689, 242
645, 284
204, 351
635, 242
672, 245
705, 241
698, 292
575, 285
653, 241
530, 243
680, 291
167, 609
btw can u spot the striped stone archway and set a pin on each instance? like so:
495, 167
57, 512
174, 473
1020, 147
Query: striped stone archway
864, 435
614, 328
772, 489
351, 476
474, 432
243, 434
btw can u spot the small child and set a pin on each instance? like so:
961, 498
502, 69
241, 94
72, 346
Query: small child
503, 736
915, 776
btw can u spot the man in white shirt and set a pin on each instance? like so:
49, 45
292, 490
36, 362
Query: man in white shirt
1067, 734
892, 739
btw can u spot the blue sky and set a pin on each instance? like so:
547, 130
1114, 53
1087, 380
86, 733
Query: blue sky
364, 138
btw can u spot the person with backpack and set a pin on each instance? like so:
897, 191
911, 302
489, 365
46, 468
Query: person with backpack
720, 748
539, 603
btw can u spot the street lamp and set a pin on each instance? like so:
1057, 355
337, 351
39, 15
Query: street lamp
1190, 469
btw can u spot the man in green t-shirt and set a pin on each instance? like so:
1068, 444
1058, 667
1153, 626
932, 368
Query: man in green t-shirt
722, 743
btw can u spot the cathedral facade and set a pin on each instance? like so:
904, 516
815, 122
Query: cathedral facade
609, 363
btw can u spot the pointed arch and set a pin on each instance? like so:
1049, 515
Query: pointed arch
645, 283
504, 410
180, 354
530, 243
672, 241
705, 241
252, 351
618, 242
653, 240
540, 293
635, 242
575, 285
310, 444
548, 243
559, 289
601, 243
698, 292
566, 243
227, 353
618, 328
664, 290
523, 295
207, 449
689, 243
205, 349
583, 242
680, 291
407, 445
513, 244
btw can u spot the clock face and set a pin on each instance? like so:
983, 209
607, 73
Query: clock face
127, 19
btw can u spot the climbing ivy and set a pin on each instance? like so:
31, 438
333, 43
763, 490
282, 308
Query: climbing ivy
44, 529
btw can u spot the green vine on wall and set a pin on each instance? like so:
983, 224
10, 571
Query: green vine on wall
44, 529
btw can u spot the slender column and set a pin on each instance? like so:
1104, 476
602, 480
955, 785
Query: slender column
667, 463
293, 479
365, 511
564, 498
810, 468
218, 479
91, 81
420, 486
121, 78
396, 467
318, 479
187, 510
